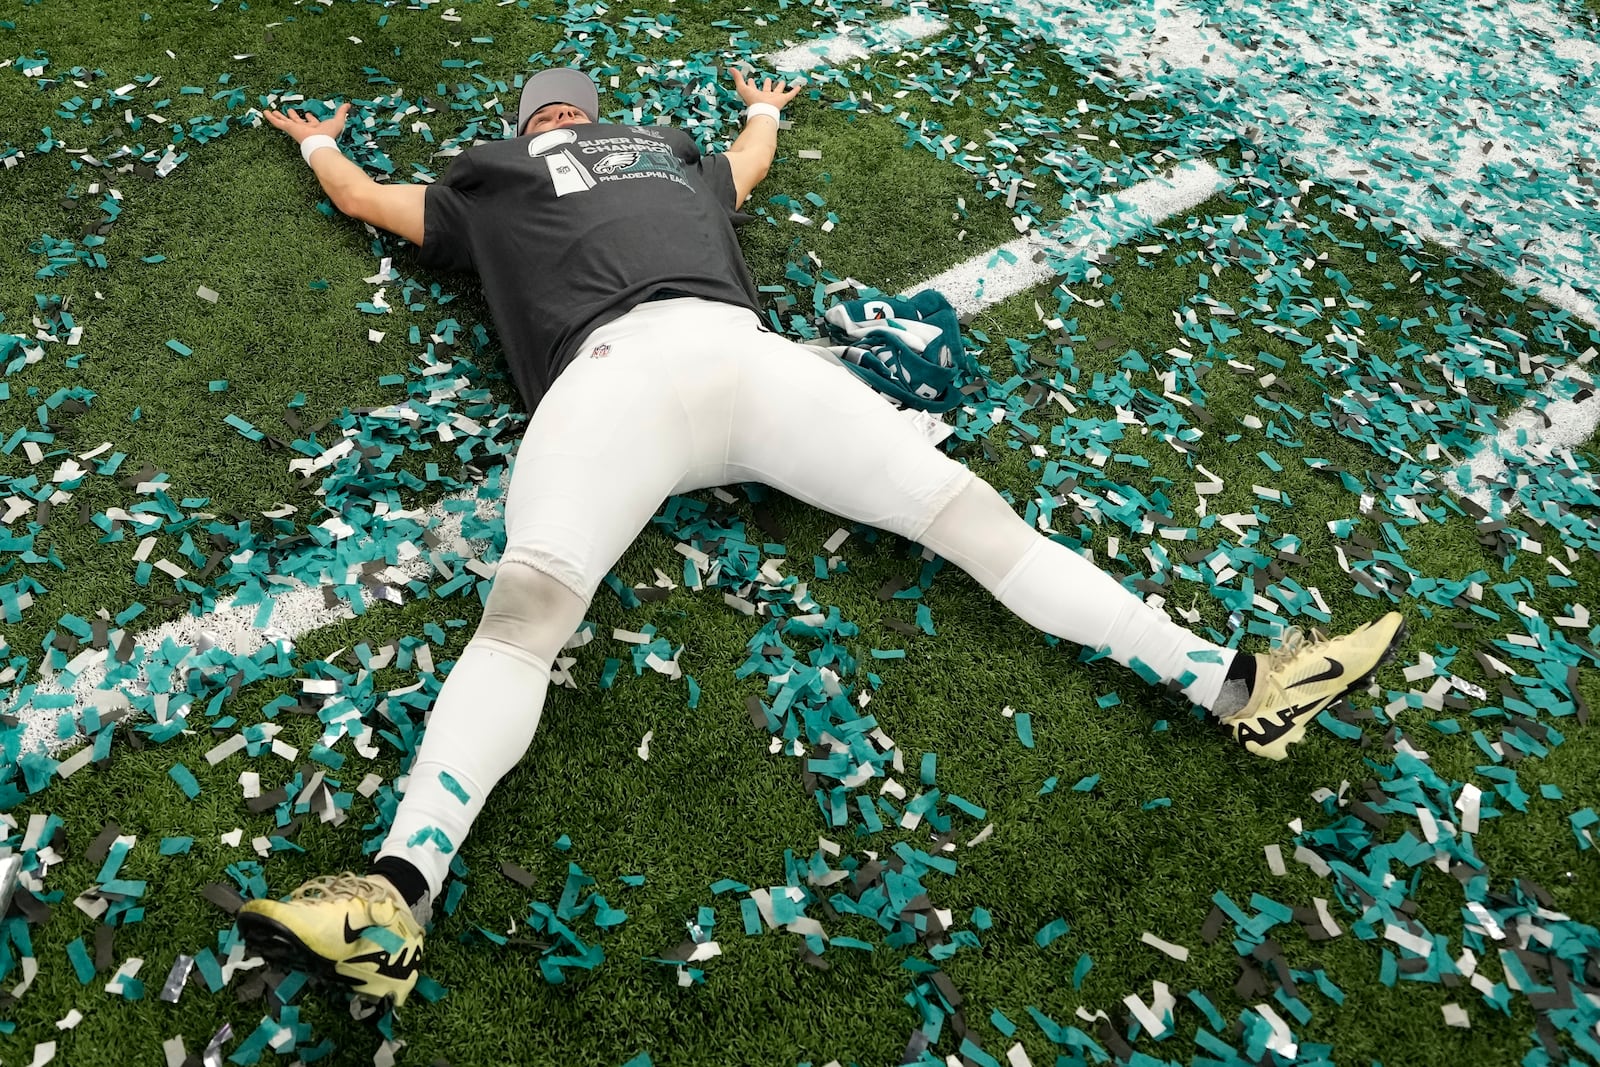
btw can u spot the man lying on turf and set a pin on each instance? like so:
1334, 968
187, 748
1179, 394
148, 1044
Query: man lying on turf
628, 319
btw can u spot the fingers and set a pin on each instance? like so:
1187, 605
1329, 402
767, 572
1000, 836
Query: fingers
741, 80
292, 117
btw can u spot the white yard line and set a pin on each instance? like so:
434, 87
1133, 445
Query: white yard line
1571, 424
1484, 134
837, 48
980, 282
988, 278
1146, 46
1149, 45
298, 609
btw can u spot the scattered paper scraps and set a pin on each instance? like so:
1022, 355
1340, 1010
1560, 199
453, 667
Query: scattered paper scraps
1376, 401
1177, 952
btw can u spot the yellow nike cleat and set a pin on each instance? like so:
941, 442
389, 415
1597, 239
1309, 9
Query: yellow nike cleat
1302, 676
349, 929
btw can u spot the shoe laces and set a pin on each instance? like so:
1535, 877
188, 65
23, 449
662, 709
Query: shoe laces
1295, 642
346, 886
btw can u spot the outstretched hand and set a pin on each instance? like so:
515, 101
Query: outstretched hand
769, 91
300, 125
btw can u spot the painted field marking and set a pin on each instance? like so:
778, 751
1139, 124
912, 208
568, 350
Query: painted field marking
1482, 140
990, 277
890, 36
1572, 422
298, 609
978, 283
1149, 45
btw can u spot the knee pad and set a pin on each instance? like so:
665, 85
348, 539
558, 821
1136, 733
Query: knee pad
530, 610
978, 532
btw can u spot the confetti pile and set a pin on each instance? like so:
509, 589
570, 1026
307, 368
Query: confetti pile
1465, 127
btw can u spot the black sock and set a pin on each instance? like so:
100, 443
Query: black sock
1242, 669
404, 876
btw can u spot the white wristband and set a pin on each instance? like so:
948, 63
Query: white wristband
314, 142
770, 110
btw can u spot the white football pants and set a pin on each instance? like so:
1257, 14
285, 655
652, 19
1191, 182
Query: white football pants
685, 394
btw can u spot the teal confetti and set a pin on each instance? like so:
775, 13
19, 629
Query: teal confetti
1081, 969
1052, 930
1025, 729
447, 780
185, 779
82, 965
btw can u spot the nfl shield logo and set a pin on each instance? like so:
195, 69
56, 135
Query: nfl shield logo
599, 351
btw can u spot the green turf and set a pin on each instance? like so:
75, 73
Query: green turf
712, 802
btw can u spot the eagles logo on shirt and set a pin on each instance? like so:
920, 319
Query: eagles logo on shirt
616, 161
625, 161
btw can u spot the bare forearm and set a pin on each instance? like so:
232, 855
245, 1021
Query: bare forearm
341, 179
751, 153
758, 140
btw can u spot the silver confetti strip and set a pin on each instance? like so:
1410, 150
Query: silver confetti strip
172, 988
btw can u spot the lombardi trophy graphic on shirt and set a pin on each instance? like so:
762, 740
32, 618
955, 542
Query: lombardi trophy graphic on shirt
566, 173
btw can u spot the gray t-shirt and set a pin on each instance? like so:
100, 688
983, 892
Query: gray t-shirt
569, 229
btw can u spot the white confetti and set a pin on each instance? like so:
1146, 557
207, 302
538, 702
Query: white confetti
1154, 1016
222, 751
1467, 805
1177, 952
1281, 1041
1407, 940
1333, 929
129, 969
1318, 866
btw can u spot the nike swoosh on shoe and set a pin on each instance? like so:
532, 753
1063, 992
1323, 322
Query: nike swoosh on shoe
1335, 669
